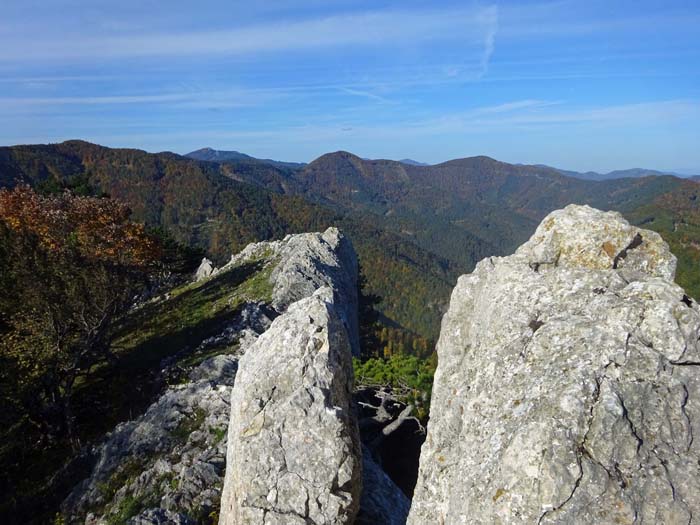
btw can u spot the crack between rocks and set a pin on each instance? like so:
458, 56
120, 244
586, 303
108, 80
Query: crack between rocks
266, 511
626, 417
684, 403
580, 451
635, 243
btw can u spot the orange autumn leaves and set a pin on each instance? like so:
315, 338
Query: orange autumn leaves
98, 229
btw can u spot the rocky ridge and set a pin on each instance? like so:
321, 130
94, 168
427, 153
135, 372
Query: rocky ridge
568, 384
167, 466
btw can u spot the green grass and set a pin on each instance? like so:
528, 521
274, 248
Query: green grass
194, 312
127, 508
219, 433
189, 424
127, 472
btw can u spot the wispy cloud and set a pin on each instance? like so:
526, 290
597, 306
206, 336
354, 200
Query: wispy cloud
508, 107
526, 114
577, 19
385, 27
365, 94
548, 115
88, 100
496, 118
490, 22
186, 98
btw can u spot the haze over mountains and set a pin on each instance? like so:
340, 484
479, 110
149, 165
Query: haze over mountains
213, 155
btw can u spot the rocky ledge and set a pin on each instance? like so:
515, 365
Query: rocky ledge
568, 384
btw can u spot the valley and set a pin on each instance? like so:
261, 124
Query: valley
415, 228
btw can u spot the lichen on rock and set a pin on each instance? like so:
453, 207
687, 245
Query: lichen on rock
568, 384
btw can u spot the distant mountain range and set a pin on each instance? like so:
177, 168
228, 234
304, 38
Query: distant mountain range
413, 162
213, 155
621, 174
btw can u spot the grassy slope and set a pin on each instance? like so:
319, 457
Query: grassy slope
118, 391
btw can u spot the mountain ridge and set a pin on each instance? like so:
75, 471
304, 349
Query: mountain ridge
213, 155
454, 213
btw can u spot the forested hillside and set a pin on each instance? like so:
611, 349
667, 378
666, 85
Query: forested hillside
203, 205
676, 216
415, 227
446, 207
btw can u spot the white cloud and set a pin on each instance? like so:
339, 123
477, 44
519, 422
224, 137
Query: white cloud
88, 100
490, 21
474, 27
365, 94
500, 118
187, 98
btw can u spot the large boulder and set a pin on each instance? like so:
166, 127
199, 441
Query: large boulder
293, 445
568, 385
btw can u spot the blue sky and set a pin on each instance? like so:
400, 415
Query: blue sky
585, 85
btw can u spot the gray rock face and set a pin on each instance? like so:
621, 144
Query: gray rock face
307, 262
171, 459
568, 385
294, 454
160, 517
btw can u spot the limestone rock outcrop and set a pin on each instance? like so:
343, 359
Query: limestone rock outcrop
307, 262
167, 465
171, 458
568, 385
204, 270
293, 446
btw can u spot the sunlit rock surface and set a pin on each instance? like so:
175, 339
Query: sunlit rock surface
568, 385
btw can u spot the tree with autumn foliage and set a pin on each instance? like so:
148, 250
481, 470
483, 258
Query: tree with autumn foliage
69, 265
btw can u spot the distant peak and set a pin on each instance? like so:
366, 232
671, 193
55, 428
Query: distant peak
412, 162
341, 154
